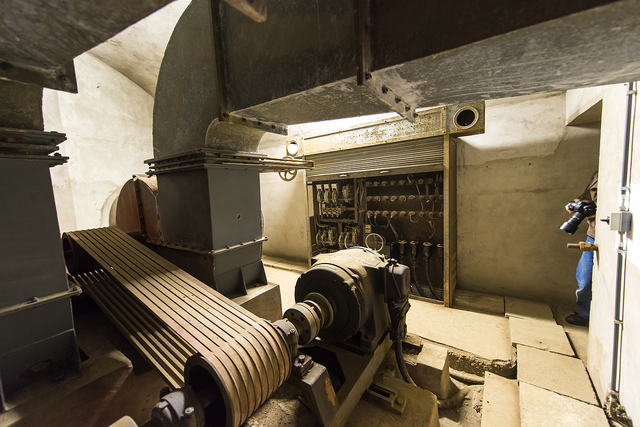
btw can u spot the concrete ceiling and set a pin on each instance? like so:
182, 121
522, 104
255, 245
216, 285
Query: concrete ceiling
137, 51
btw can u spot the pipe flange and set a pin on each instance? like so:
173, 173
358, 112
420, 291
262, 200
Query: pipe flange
326, 309
306, 320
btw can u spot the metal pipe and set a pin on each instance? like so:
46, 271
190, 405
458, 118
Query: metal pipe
622, 254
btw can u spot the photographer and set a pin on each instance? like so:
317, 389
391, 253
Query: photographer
585, 265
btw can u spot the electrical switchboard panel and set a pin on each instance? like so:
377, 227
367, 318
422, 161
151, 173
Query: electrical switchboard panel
399, 215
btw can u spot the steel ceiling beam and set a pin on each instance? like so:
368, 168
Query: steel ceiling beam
40, 38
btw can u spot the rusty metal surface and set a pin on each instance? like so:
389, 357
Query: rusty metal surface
247, 357
206, 157
431, 122
165, 350
26, 144
254, 9
21, 105
39, 39
137, 207
588, 48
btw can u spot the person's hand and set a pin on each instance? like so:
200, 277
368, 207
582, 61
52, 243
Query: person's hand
569, 204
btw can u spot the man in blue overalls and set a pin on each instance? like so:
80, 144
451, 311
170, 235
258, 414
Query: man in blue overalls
585, 266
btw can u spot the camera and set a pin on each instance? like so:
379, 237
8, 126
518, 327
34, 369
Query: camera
581, 211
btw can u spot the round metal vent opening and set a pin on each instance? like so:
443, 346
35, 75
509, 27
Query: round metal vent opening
466, 117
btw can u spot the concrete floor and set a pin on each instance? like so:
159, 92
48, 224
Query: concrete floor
487, 330
478, 330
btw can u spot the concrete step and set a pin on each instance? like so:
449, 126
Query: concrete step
501, 402
482, 335
543, 408
539, 334
554, 372
482, 303
516, 307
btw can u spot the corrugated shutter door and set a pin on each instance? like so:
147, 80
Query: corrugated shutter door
400, 157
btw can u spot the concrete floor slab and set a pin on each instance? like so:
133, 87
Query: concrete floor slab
555, 372
483, 335
541, 335
578, 335
501, 404
271, 260
542, 408
284, 264
516, 307
287, 281
478, 302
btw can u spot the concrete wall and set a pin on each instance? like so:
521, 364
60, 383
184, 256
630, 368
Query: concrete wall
284, 205
108, 127
513, 183
605, 263
137, 51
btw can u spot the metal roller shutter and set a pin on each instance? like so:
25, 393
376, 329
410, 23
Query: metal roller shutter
418, 155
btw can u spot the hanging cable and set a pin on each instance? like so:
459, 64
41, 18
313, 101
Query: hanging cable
395, 233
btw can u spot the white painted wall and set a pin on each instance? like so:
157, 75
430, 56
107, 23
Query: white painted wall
604, 277
284, 206
137, 51
513, 183
108, 124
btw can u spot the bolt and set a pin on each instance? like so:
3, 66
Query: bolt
301, 358
188, 413
407, 108
398, 99
400, 401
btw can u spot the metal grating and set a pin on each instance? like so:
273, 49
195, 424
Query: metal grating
400, 157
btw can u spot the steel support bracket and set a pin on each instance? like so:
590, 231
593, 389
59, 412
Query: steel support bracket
264, 125
389, 96
239, 246
317, 392
365, 76
35, 301
387, 398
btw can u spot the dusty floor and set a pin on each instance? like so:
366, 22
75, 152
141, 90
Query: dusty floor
478, 334
483, 334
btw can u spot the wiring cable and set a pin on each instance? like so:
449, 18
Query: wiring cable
395, 233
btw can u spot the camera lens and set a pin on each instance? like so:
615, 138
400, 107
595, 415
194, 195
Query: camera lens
571, 225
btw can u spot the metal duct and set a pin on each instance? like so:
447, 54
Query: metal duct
401, 157
247, 357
